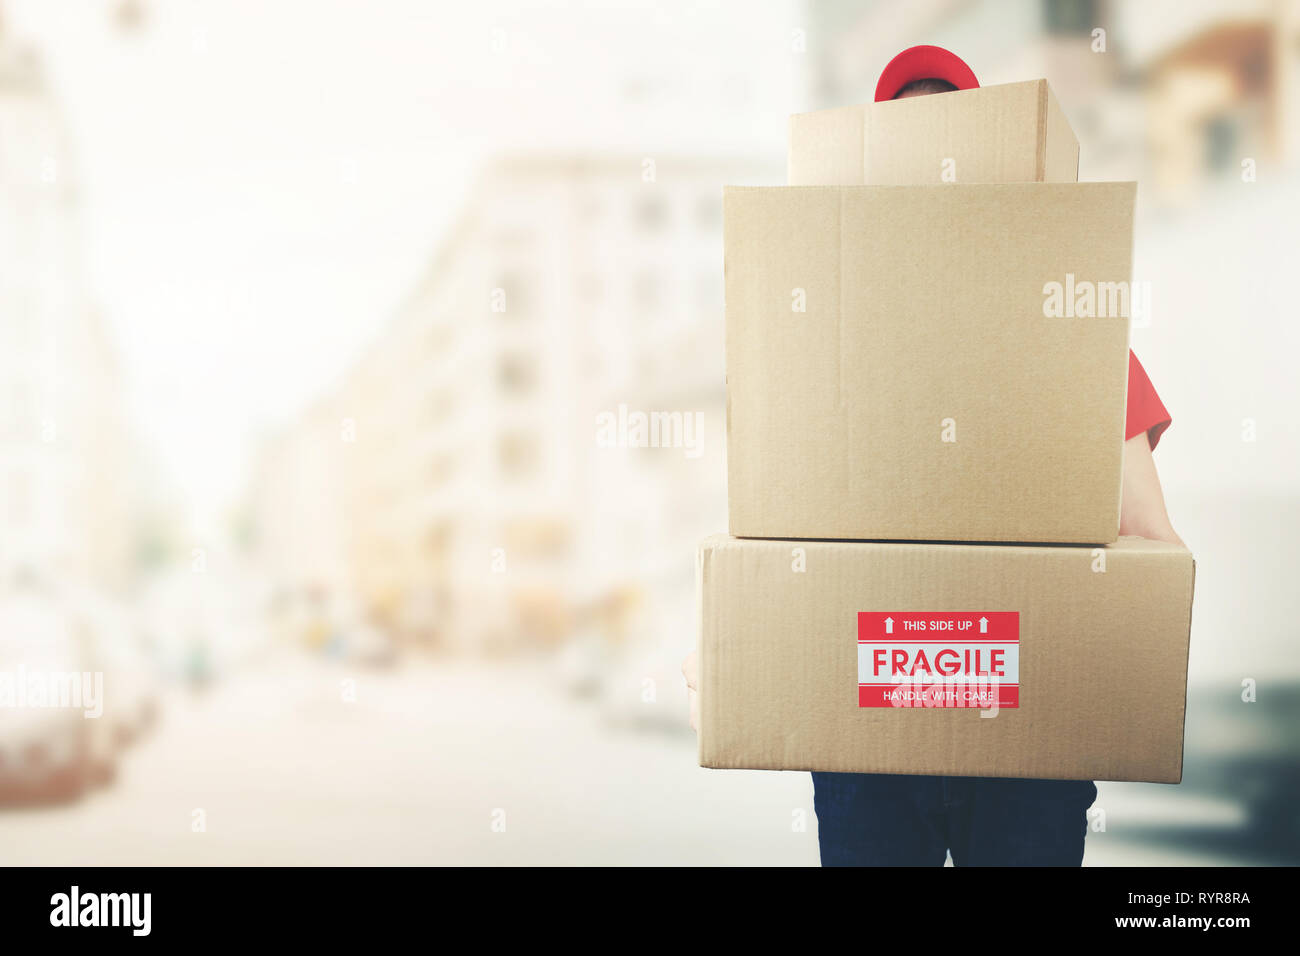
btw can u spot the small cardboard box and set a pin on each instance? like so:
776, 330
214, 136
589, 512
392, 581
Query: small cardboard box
889, 658
921, 362
1015, 133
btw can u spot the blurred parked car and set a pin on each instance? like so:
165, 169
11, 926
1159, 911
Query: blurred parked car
47, 753
1241, 772
1249, 752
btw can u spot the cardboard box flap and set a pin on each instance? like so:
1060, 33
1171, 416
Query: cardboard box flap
1015, 132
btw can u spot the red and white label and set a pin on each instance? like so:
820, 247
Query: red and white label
939, 659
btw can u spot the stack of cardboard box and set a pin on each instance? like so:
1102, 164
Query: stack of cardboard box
924, 460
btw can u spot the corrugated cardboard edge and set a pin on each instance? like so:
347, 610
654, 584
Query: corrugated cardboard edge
1128, 324
700, 635
706, 644
1060, 161
1178, 552
1040, 147
1182, 738
726, 389
704, 635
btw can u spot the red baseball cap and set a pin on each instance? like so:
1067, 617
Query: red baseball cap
923, 63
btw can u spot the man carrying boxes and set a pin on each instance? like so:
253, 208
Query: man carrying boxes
926, 478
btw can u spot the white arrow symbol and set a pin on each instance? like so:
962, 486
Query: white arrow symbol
889, 625
984, 625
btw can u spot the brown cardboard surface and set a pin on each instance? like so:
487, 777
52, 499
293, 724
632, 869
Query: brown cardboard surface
924, 304
1103, 658
1011, 133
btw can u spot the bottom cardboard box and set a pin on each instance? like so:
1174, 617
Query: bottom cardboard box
986, 660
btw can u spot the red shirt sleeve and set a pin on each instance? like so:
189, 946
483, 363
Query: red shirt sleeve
1146, 413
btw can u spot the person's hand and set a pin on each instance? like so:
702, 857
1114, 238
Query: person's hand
691, 671
1142, 502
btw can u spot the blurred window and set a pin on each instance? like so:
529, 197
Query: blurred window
519, 453
1069, 17
440, 405
517, 374
537, 538
438, 539
442, 468
652, 213
1222, 134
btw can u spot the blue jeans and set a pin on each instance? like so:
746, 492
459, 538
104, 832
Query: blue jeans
870, 819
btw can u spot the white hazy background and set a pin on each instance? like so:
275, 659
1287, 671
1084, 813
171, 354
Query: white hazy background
362, 584
263, 182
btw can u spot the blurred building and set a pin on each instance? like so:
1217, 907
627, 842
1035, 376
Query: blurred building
298, 516
1173, 95
65, 449
1226, 94
455, 483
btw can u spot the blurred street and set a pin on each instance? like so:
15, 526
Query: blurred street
412, 773
419, 767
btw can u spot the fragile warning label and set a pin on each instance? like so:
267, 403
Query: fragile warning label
939, 659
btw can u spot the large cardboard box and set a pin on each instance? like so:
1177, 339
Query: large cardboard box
897, 369
1088, 648
1015, 133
